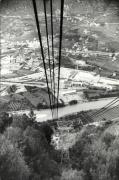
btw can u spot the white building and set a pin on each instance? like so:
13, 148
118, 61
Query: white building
82, 78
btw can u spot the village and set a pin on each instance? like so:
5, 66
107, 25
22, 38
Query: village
76, 86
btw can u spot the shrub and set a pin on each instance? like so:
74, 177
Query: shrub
12, 164
71, 174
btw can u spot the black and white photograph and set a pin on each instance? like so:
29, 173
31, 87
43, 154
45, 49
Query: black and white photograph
59, 90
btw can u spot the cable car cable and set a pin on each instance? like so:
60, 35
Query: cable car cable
40, 40
47, 36
60, 49
52, 32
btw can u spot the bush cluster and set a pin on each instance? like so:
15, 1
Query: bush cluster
25, 150
96, 156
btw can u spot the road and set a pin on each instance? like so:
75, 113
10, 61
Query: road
44, 115
38, 84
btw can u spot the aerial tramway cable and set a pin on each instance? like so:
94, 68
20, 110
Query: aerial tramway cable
47, 36
42, 51
105, 108
52, 32
60, 50
51, 66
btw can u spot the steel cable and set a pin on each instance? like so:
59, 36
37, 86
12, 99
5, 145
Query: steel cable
107, 110
105, 107
60, 50
47, 36
42, 51
52, 32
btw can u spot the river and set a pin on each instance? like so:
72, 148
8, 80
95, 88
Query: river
46, 114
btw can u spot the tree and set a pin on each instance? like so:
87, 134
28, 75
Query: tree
34, 141
22, 121
25, 147
12, 164
15, 136
47, 131
12, 89
5, 121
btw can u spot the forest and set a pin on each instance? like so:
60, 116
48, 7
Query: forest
26, 152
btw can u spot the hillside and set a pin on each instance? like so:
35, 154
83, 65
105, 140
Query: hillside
73, 144
89, 27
